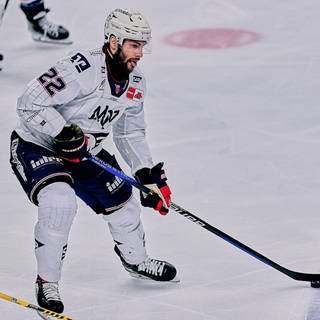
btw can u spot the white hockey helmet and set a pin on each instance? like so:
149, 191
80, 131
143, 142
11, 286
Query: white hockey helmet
125, 24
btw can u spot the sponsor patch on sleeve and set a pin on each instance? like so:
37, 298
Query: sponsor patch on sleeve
134, 94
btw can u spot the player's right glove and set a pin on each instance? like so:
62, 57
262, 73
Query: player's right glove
71, 144
155, 179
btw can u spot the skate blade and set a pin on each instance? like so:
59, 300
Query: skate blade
43, 39
139, 276
44, 316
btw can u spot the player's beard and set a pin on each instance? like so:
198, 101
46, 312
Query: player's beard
124, 62
118, 63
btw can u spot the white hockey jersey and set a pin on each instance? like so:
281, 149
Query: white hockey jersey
76, 90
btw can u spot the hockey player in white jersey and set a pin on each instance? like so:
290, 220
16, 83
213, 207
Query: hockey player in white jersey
65, 114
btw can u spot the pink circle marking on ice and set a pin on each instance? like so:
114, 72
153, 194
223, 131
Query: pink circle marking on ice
211, 38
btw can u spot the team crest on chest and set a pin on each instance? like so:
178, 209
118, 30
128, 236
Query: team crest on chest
103, 115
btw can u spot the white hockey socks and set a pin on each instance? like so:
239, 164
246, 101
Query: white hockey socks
57, 209
127, 231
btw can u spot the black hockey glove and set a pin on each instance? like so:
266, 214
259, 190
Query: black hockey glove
155, 179
71, 144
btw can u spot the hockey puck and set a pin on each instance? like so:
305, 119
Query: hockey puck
315, 284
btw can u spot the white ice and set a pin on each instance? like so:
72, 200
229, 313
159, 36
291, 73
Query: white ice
239, 132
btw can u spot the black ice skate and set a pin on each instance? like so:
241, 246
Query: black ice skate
41, 28
48, 297
150, 269
44, 30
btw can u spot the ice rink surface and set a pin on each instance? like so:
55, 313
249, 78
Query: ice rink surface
238, 128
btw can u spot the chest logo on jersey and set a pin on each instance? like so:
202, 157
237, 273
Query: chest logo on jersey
104, 115
134, 94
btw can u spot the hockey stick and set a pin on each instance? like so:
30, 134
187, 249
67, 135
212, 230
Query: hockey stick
3, 8
301, 276
34, 307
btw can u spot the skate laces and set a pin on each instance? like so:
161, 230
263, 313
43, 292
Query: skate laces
51, 291
49, 27
152, 266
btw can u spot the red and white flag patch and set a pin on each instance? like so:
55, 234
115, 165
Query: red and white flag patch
134, 94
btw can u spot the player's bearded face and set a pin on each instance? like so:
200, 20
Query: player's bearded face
128, 63
131, 53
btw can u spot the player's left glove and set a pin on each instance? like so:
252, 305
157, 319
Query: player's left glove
155, 179
71, 144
